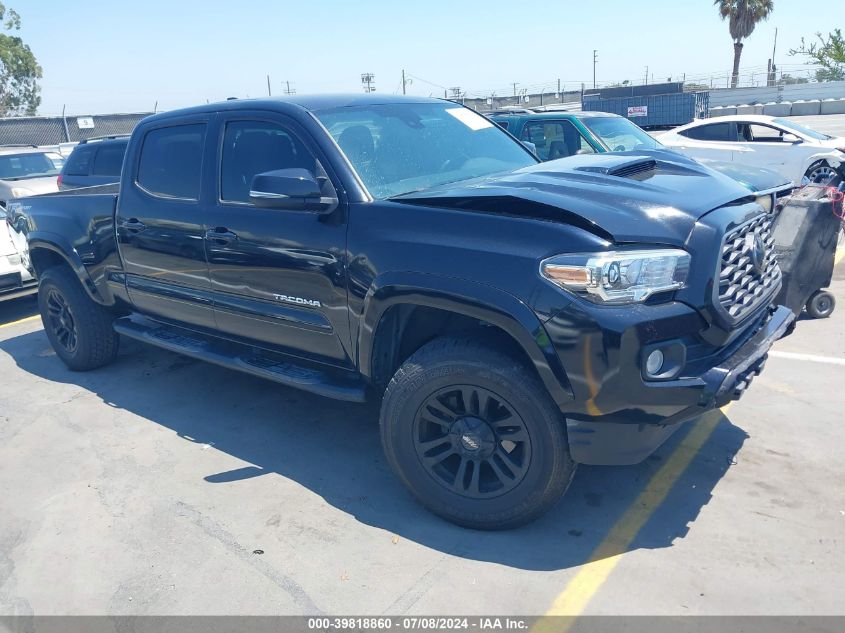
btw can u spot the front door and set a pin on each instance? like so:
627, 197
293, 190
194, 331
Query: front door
278, 276
160, 224
764, 146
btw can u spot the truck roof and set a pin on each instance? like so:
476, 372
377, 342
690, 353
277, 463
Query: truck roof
307, 102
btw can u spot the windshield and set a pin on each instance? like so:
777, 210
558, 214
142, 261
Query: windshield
619, 134
29, 165
802, 130
401, 148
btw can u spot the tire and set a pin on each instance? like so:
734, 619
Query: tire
79, 329
821, 304
429, 413
821, 168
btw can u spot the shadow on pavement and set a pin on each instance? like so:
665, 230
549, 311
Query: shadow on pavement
16, 309
333, 449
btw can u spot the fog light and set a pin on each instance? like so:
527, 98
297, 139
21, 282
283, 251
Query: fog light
654, 363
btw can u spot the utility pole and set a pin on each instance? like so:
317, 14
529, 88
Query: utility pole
646, 75
403, 81
368, 80
269, 92
558, 87
288, 89
514, 88
595, 60
774, 69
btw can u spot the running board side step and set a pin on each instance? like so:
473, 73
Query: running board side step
240, 358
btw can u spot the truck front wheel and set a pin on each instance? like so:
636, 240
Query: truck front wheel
79, 329
474, 436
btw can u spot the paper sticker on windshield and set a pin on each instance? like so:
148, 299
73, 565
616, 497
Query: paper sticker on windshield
469, 118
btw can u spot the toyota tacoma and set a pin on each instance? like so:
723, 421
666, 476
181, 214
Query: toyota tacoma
515, 318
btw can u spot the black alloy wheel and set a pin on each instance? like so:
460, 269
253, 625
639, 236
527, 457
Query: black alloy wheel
61, 321
472, 441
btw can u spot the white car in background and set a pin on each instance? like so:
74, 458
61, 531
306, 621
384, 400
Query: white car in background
15, 278
784, 146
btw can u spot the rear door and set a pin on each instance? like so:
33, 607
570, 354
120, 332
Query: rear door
278, 276
713, 141
161, 222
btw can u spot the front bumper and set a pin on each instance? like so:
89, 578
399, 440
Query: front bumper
620, 418
14, 284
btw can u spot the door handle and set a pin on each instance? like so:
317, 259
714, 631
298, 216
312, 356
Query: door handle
220, 236
133, 225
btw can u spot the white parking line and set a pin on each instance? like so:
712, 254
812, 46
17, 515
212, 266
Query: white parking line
829, 360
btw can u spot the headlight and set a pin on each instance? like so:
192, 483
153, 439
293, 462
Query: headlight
766, 202
628, 276
21, 192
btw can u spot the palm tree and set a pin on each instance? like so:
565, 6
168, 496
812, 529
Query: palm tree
742, 16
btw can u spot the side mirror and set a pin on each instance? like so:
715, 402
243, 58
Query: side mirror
791, 138
294, 189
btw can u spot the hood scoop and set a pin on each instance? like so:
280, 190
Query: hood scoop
639, 169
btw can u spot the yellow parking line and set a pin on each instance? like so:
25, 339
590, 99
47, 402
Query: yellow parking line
19, 321
593, 574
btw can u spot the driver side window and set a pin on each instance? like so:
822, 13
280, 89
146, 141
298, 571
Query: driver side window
760, 134
555, 139
254, 147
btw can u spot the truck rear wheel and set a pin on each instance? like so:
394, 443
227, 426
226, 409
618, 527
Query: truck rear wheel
474, 436
79, 329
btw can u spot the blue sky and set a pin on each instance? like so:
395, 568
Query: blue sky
124, 56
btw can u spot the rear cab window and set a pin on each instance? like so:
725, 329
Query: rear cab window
170, 164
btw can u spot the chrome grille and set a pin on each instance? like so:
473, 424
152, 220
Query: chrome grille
743, 281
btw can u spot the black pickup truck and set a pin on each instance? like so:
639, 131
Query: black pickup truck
514, 318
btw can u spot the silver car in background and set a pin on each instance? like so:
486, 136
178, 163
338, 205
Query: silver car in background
27, 171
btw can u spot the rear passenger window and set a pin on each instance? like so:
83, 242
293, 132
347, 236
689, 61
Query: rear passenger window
712, 132
171, 161
79, 162
253, 147
109, 160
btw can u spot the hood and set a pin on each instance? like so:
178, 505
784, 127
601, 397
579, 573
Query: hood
652, 197
755, 179
837, 142
36, 186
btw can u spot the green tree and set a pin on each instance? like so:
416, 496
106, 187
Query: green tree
19, 70
828, 52
742, 17
789, 80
